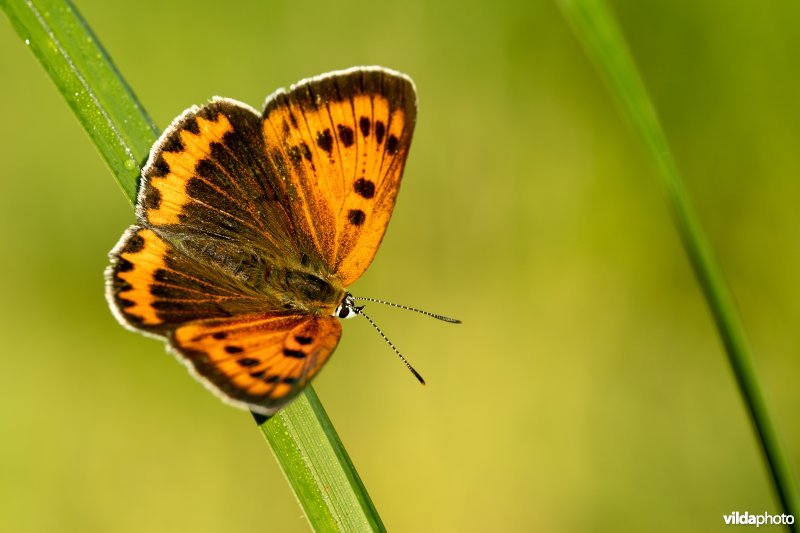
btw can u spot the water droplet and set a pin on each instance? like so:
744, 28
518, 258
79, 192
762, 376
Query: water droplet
27, 42
130, 164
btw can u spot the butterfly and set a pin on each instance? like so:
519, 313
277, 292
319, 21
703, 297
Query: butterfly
250, 226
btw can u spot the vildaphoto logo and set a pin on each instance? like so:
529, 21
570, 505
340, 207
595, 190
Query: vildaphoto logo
746, 519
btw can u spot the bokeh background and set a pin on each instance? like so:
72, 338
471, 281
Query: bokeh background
585, 391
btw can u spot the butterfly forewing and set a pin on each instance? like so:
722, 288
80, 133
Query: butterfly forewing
340, 143
208, 179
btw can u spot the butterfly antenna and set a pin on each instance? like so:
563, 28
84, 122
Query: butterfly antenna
405, 361
407, 308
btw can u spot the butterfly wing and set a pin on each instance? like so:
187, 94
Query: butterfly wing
258, 361
208, 184
234, 339
338, 143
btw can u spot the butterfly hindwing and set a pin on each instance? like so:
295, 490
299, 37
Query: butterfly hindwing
340, 142
258, 360
154, 287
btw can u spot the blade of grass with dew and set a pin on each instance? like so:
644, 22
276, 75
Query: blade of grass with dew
301, 436
599, 34
320, 466
76, 62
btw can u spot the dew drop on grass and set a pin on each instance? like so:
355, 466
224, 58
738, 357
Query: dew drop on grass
130, 164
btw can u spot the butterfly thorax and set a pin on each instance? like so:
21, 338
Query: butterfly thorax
304, 291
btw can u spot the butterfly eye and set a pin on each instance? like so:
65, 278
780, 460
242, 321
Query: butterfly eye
347, 309
344, 312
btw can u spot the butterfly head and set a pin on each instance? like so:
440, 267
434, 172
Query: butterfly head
348, 307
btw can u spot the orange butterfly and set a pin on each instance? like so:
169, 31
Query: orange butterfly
250, 226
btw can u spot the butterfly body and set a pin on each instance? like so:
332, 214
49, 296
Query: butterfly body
250, 226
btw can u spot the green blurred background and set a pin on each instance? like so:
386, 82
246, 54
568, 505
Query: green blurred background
586, 390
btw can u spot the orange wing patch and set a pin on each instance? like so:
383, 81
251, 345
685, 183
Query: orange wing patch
139, 256
259, 360
340, 143
180, 156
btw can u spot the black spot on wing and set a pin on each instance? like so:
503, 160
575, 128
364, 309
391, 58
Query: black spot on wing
364, 188
134, 245
345, 135
325, 141
356, 217
152, 199
391, 145
174, 144
160, 167
296, 354
364, 125
380, 131
192, 126
305, 151
123, 265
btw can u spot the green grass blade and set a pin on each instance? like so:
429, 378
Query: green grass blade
85, 76
315, 468
597, 30
301, 436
